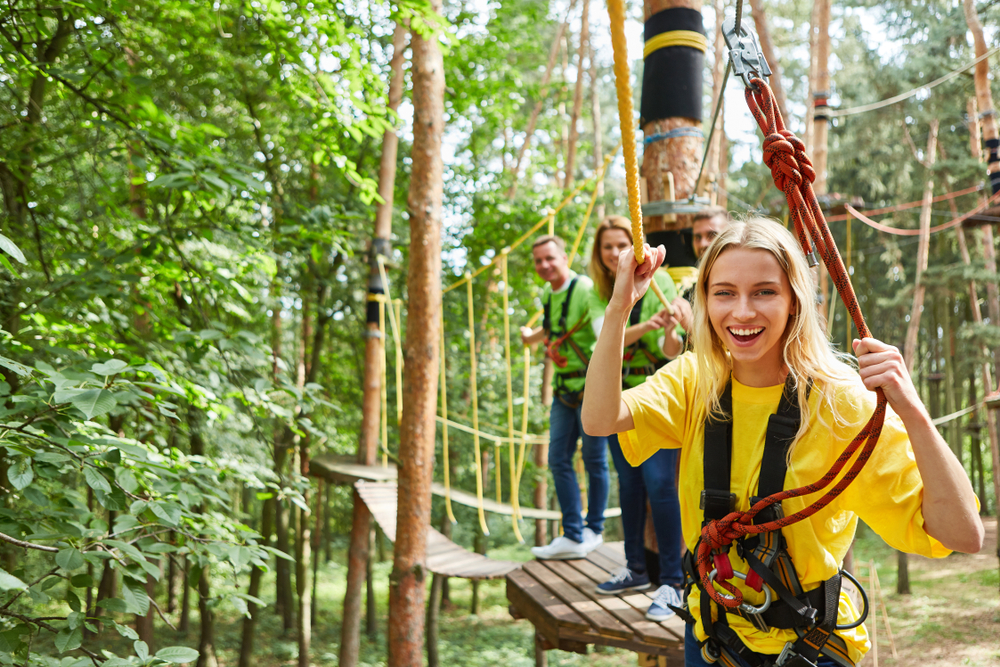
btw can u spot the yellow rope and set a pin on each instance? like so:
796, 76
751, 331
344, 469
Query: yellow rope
385, 391
586, 219
533, 439
444, 429
514, 488
616, 11
475, 405
541, 223
397, 339
690, 38
524, 416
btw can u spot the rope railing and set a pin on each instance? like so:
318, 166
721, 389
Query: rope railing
916, 232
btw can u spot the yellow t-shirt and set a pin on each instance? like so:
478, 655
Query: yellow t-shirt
887, 494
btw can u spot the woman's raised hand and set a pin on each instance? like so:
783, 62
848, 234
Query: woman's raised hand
632, 279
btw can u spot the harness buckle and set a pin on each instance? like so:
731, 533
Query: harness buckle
719, 501
789, 658
745, 607
745, 53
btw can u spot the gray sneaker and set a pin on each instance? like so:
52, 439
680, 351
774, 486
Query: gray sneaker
591, 540
659, 610
561, 548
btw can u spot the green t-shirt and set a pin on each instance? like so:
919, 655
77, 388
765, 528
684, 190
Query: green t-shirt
578, 317
647, 350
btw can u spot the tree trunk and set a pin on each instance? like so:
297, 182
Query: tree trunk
543, 92
680, 156
184, 619
416, 438
984, 96
284, 598
433, 614
574, 118
595, 113
371, 604
359, 550
923, 247
303, 572
716, 149
820, 90
206, 639
322, 490
250, 624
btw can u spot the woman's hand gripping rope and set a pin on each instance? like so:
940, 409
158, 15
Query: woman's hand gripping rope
633, 279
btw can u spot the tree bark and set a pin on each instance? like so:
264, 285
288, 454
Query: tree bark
433, 614
284, 598
820, 89
717, 150
206, 638
595, 113
984, 96
574, 118
250, 623
359, 550
416, 442
680, 156
767, 47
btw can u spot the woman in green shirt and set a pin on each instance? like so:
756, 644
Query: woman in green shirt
650, 341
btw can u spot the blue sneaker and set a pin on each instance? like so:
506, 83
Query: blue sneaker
660, 609
624, 580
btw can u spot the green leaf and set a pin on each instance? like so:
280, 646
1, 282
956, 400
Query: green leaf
125, 548
69, 559
109, 367
239, 556
12, 365
82, 580
126, 631
136, 599
11, 249
8, 582
10, 641
10, 267
126, 479
177, 655
21, 473
67, 639
94, 402
141, 649
116, 605
169, 513
96, 480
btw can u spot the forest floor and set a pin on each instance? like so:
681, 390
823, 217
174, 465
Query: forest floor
951, 618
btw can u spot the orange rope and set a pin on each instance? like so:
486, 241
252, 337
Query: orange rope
793, 174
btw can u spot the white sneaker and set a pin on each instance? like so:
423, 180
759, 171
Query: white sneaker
592, 540
666, 596
561, 548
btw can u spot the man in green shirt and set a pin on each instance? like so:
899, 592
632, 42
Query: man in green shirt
570, 331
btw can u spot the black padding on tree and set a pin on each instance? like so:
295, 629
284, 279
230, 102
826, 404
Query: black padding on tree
679, 246
672, 76
995, 182
371, 311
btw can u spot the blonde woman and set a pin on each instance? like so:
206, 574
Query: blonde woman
760, 349
651, 340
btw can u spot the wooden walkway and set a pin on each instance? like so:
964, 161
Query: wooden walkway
443, 556
558, 598
345, 470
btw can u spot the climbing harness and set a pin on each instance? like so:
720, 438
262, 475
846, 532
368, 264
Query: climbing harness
564, 335
812, 614
655, 362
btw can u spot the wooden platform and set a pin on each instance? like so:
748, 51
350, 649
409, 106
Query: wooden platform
345, 470
558, 598
443, 556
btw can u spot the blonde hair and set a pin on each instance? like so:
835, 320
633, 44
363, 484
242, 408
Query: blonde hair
807, 352
603, 277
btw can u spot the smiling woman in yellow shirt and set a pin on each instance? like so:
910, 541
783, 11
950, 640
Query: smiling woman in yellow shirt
758, 350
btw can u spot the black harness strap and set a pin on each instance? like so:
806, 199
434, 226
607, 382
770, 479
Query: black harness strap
716, 499
547, 317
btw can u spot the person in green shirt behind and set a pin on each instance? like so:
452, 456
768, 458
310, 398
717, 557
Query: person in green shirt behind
651, 339
570, 332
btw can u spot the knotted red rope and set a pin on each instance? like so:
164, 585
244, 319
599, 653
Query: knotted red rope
793, 173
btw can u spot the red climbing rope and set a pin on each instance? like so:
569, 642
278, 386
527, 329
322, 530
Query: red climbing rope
793, 174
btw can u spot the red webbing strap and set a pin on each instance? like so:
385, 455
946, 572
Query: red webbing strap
793, 174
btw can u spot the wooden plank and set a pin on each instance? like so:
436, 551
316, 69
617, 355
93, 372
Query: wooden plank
629, 609
601, 621
540, 606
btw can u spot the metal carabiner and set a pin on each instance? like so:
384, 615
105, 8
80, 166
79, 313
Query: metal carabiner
745, 53
745, 607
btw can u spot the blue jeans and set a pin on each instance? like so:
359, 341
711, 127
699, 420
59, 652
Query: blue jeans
565, 428
692, 654
657, 478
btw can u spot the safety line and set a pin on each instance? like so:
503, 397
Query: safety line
385, 391
916, 232
475, 405
532, 438
514, 491
445, 454
911, 204
834, 113
955, 415
397, 339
